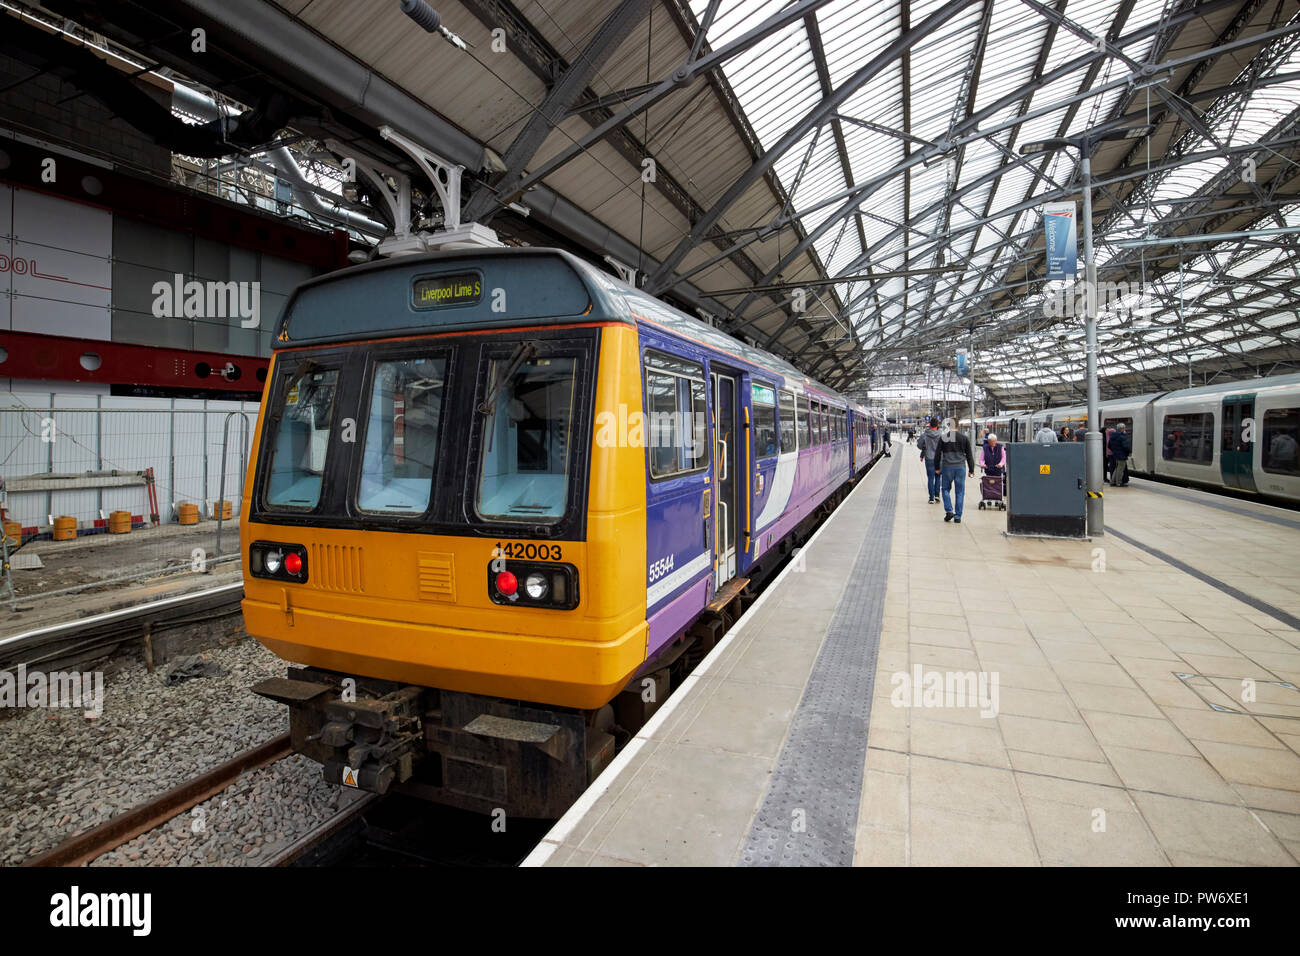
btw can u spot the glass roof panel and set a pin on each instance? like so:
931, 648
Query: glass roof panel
982, 201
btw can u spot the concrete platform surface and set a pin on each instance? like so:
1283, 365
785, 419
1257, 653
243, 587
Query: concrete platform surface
1129, 700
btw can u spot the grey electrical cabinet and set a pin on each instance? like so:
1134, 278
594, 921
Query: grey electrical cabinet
1046, 496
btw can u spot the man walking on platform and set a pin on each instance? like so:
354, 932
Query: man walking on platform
929, 444
954, 460
1121, 446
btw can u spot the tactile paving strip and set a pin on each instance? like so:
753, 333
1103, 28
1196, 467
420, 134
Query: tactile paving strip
809, 814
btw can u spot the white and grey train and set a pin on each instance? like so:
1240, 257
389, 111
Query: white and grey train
1243, 436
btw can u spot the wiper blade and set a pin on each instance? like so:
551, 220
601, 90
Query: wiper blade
523, 351
304, 369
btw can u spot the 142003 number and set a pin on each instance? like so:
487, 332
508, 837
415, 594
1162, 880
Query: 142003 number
529, 552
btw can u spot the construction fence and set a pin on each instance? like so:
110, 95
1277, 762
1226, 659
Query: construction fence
96, 489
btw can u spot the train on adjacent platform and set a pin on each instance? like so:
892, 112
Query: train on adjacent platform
1239, 436
499, 502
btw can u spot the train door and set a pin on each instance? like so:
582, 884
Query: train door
725, 472
1236, 442
853, 444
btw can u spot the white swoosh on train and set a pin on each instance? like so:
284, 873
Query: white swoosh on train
782, 485
669, 583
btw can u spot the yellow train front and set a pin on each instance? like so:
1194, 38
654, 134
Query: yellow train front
501, 503
430, 531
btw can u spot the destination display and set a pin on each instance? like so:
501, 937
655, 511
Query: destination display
438, 292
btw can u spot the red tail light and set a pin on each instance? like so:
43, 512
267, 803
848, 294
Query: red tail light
507, 583
293, 563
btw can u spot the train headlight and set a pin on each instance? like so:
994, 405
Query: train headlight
531, 584
274, 559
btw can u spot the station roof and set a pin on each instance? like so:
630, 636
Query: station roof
842, 182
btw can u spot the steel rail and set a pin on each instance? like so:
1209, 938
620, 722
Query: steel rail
84, 847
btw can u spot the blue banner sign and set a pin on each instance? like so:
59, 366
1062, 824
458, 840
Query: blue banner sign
1059, 221
961, 363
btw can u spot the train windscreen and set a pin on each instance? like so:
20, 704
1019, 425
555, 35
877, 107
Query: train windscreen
301, 439
524, 473
401, 449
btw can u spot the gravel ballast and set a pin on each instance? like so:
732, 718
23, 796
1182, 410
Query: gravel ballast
65, 773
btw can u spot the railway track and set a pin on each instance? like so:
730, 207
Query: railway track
56, 645
84, 847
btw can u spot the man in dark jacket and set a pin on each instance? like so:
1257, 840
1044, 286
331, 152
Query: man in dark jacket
954, 460
929, 444
1121, 446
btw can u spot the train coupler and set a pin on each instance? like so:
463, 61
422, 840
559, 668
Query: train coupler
365, 734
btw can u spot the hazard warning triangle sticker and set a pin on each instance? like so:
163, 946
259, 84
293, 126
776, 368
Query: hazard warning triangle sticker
349, 777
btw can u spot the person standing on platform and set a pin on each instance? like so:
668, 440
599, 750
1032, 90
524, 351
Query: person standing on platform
929, 445
1045, 435
993, 456
888, 438
993, 459
1108, 461
1120, 448
954, 460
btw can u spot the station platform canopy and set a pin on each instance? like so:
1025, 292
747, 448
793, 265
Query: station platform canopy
846, 184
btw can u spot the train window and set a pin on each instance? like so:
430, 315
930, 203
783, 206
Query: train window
1189, 438
661, 403
301, 439
401, 447
524, 475
1280, 452
815, 423
786, 400
801, 416
764, 401
697, 455
675, 431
